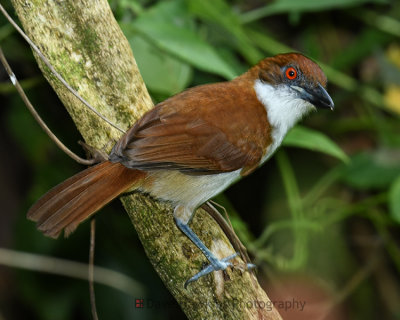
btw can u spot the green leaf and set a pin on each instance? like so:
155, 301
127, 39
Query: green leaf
361, 47
219, 12
394, 200
290, 6
372, 170
167, 27
161, 72
186, 45
169, 12
310, 139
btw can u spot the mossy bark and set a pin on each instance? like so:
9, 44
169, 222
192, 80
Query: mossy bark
84, 43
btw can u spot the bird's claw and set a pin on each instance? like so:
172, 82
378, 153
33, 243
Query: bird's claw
215, 266
251, 266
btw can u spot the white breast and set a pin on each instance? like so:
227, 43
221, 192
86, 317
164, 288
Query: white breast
284, 109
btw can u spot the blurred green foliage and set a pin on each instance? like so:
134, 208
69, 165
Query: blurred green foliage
323, 213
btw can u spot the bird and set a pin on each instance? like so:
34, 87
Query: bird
192, 146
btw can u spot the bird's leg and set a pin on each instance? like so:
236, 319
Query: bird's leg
182, 216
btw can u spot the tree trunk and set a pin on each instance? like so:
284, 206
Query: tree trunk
84, 43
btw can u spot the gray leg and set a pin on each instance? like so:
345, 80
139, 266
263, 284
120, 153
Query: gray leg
215, 264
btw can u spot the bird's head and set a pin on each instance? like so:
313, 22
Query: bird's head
289, 86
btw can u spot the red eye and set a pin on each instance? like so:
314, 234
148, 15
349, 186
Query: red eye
291, 73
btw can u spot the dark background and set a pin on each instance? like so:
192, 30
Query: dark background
322, 230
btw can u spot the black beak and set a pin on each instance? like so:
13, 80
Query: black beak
319, 97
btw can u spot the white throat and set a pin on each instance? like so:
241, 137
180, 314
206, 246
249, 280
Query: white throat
284, 109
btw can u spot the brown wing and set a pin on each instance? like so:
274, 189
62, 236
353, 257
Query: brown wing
200, 131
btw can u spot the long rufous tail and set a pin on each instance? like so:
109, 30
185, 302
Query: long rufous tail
68, 204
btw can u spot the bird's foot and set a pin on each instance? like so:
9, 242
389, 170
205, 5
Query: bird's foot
250, 266
214, 266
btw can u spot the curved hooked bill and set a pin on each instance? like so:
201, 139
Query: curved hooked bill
317, 96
